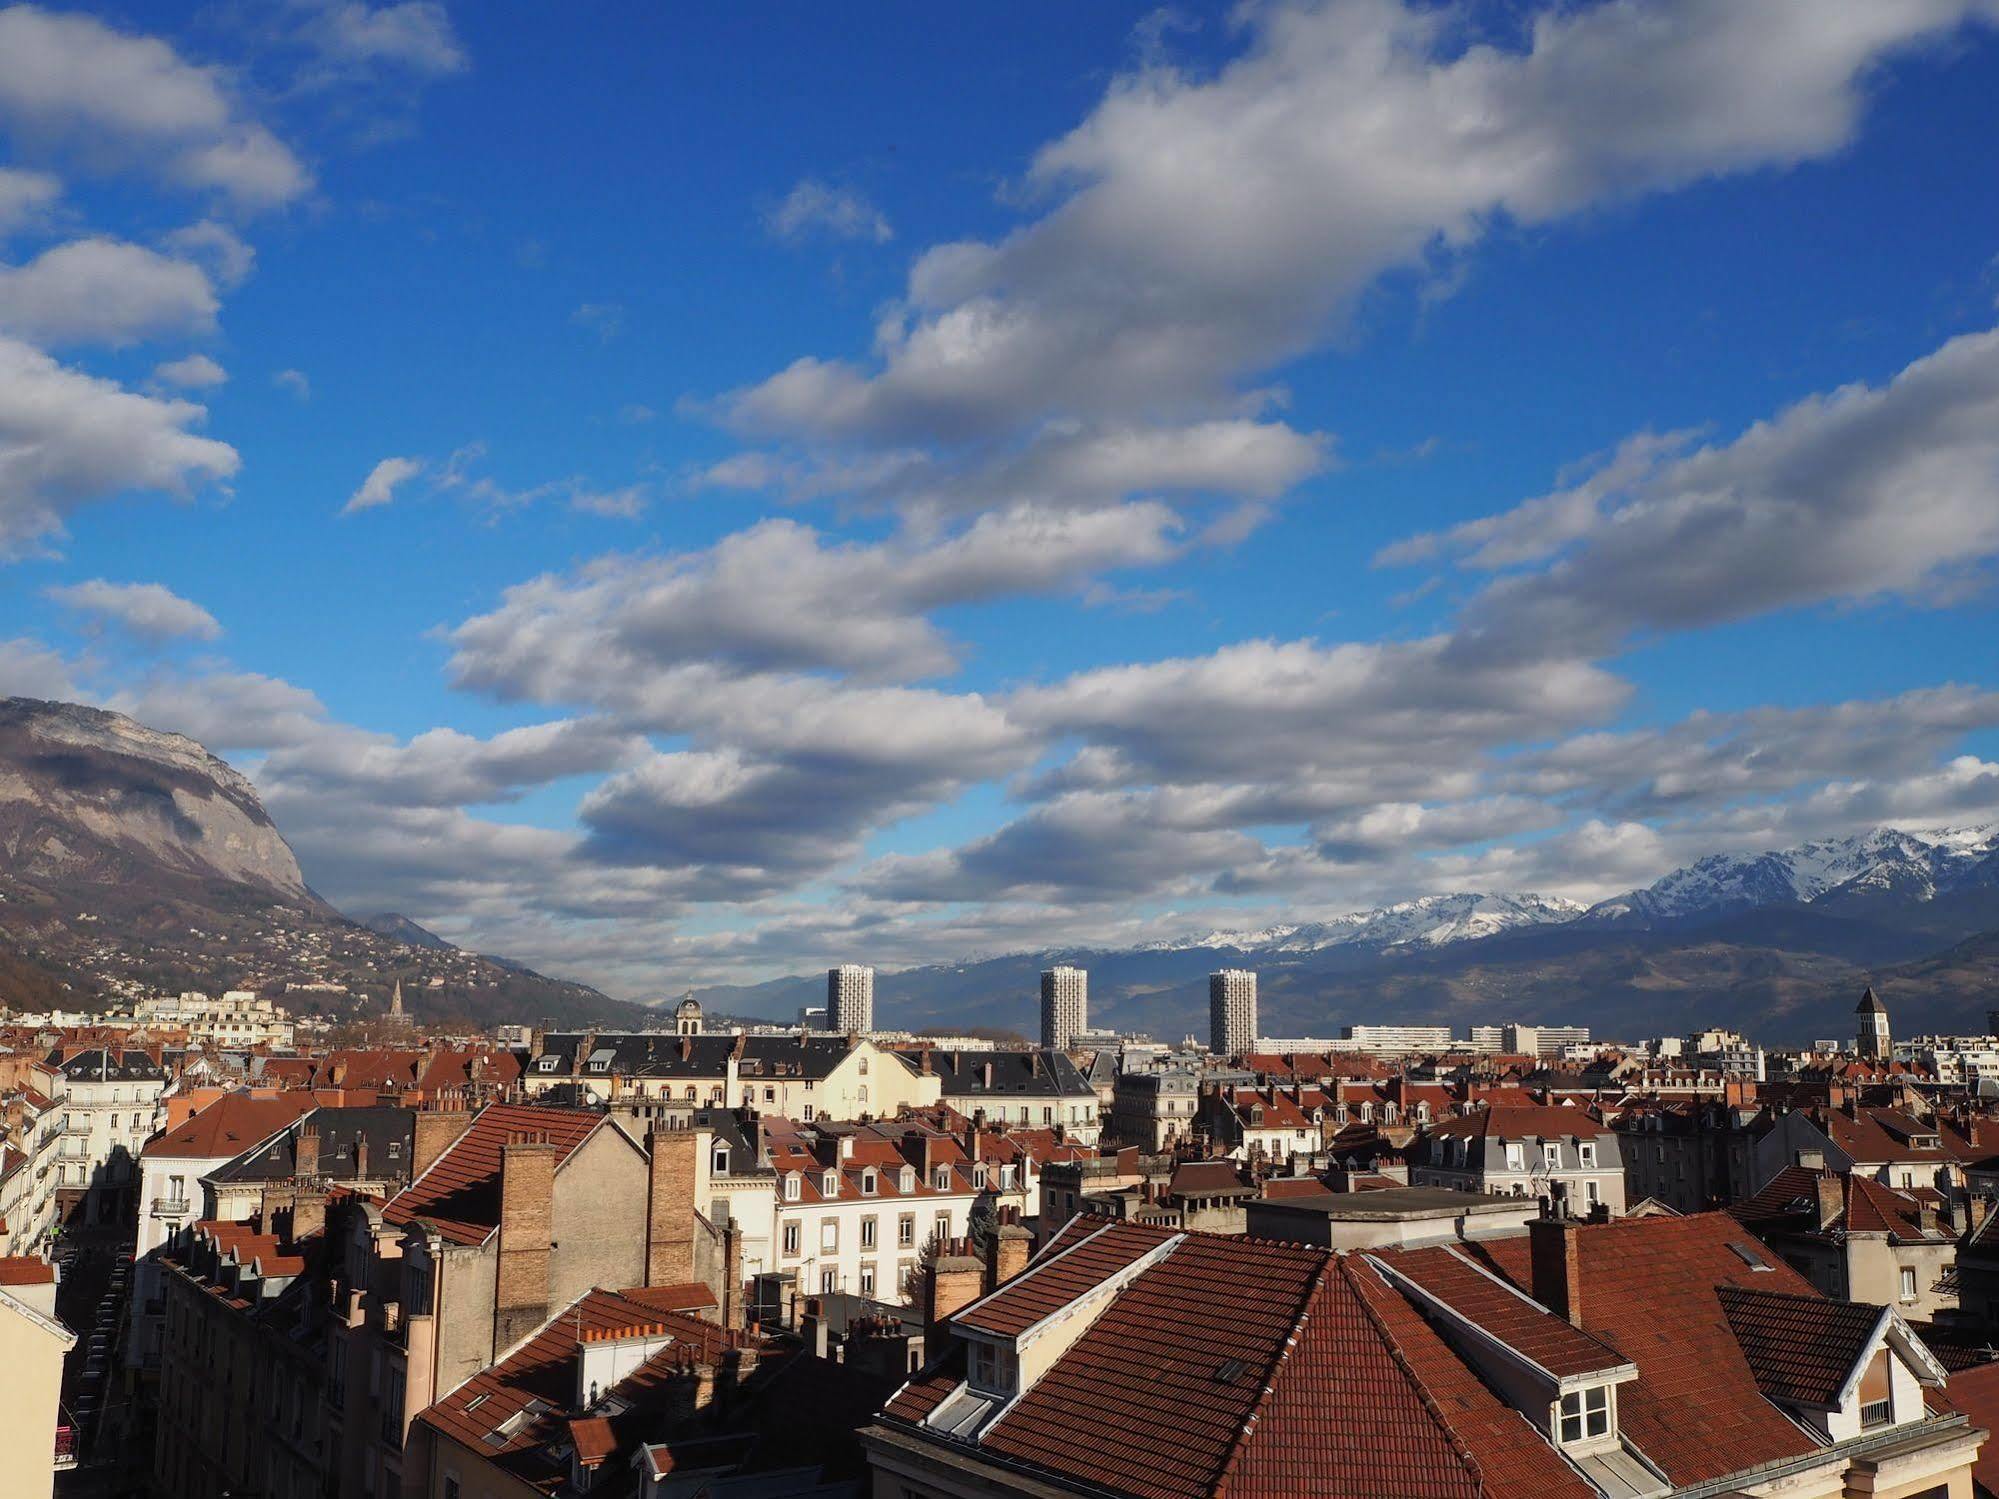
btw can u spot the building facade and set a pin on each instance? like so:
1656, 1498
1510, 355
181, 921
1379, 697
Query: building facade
850, 999
1232, 1012
1065, 1006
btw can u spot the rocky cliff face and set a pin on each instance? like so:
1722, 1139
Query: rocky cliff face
90, 797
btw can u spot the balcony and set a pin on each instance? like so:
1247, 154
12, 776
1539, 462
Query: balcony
65, 1448
169, 1207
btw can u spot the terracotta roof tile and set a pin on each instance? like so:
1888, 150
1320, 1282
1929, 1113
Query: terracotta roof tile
1506, 1312
1801, 1348
460, 1193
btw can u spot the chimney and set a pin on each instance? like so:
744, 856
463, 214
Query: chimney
732, 1277
1977, 1210
670, 1205
527, 1210
434, 1131
307, 1148
1552, 1247
950, 1285
1007, 1252
361, 1156
1926, 1217
1831, 1198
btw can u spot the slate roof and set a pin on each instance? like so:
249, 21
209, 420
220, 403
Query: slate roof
1014, 1074
460, 1193
388, 1131
1511, 1121
1801, 1348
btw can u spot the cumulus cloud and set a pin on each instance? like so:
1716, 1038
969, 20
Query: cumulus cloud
225, 710
67, 438
25, 197
816, 207
72, 84
1863, 493
379, 488
150, 611
294, 382
416, 35
1206, 227
104, 291
779, 597
29, 668
195, 372
216, 248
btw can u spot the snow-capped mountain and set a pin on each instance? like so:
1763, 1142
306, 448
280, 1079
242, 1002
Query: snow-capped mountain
1890, 862
1434, 920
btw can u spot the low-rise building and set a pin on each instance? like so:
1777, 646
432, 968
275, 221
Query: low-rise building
35, 1441
1386, 1217
1563, 1155
1858, 1240
1653, 1356
1039, 1089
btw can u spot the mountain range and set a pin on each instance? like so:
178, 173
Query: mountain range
132, 858
1778, 943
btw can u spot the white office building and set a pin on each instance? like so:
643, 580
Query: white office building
1397, 1040
850, 999
1232, 1011
1065, 1006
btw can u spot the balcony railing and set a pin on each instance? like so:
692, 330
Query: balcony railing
65, 1448
169, 1207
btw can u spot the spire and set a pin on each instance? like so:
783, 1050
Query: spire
396, 1002
1869, 1004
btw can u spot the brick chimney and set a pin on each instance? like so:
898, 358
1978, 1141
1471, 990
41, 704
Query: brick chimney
1007, 1253
670, 1186
1831, 1198
308, 1151
435, 1131
952, 1283
527, 1210
361, 1156
1556, 1268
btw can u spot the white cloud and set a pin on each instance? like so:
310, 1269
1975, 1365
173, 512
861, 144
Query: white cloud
605, 319
72, 84
416, 35
30, 669
195, 372
226, 710
295, 382
104, 291
816, 207
1209, 226
1864, 493
150, 611
217, 249
379, 488
778, 597
25, 197
67, 438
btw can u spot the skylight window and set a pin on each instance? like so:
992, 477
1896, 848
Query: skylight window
1747, 1255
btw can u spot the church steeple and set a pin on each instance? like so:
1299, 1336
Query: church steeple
1874, 1040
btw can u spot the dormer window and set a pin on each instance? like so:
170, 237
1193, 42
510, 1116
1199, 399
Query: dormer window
907, 1181
995, 1368
868, 1182
1585, 1415
979, 1176
719, 1162
792, 1186
1552, 1154
829, 1184
941, 1179
1586, 1152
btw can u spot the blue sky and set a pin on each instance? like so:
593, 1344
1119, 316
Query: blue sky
727, 490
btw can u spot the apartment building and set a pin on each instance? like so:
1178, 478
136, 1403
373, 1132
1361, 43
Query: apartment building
1065, 1006
1396, 1040
1897, 1146
1232, 1019
1689, 1154
1858, 1240
112, 1104
1563, 1155
1043, 1088
1644, 1357
34, 1440
238, 1019
31, 1142
1154, 1110
850, 999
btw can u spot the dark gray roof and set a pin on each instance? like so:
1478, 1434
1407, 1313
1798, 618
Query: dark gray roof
96, 1064
1009, 1074
386, 1129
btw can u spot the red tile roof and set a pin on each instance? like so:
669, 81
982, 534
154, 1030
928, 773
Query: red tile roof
1802, 1348
1057, 1278
460, 1193
1649, 1290
1976, 1393
1509, 1314
230, 1126
25, 1270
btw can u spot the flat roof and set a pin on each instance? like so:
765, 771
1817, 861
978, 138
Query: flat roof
1388, 1204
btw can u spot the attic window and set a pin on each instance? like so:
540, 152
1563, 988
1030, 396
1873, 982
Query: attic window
1747, 1255
1585, 1414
